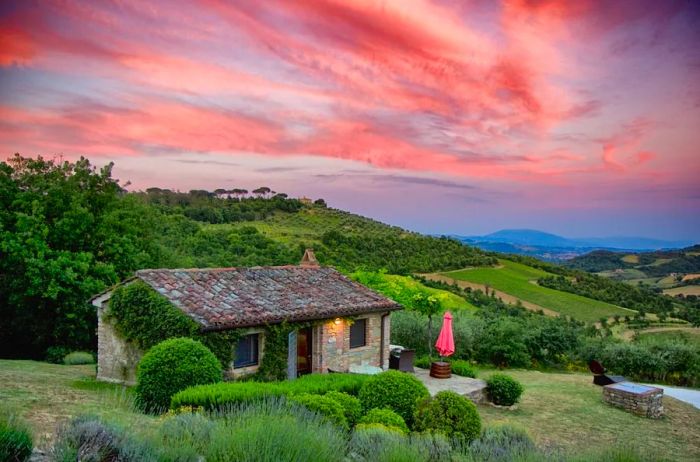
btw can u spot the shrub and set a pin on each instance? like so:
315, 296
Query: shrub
396, 390
271, 430
463, 368
377, 443
504, 442
450, 414
78, 357
321, 404
386, 417
503, 389
422, 361
87, 438
55, 354
352, 408
15, 439
225, 394
171, 366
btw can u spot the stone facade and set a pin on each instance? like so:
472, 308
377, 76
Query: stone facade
116, 358
641, 400
331, 345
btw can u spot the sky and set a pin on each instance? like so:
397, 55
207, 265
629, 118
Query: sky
442, 116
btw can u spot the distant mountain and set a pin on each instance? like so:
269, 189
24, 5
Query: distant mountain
552, 247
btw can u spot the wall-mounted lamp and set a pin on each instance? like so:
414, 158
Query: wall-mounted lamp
337, 321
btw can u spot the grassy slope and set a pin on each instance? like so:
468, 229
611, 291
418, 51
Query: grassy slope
516, 279
683, 334
450, 301
567, 411
47, 394
560, 410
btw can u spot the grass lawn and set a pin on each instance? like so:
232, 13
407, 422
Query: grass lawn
566, 411
562, 411
518, 280
47, 394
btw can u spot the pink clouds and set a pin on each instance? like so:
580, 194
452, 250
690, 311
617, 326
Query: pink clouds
519, 92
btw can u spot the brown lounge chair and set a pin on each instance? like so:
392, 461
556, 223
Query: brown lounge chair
402, 360
600, 377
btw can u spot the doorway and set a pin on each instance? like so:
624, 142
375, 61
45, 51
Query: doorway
304, 351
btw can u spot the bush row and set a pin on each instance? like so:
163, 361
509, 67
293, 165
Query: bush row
272, 430
231, 393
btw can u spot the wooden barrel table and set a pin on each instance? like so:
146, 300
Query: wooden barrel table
440, 370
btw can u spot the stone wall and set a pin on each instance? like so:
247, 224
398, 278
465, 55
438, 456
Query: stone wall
645, 404
331, 345
116, 358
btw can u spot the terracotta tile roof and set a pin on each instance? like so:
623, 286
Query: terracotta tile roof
223, 298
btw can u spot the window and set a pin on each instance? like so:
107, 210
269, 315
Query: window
358, 333
247, 351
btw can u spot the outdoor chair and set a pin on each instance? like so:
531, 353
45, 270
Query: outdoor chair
402, 360
600, 377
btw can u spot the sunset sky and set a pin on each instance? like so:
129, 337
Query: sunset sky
444, 116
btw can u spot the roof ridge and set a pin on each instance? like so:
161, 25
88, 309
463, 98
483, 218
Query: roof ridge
232, 268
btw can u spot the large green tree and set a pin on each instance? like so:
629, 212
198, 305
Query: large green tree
64, 236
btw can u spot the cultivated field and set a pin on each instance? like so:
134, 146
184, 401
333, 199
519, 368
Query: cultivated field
520, 281
685, 290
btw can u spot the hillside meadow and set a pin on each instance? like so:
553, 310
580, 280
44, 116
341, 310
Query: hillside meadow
520, 281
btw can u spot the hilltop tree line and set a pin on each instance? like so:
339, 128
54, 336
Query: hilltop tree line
69, 230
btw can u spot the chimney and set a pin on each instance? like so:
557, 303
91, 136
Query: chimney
309, 259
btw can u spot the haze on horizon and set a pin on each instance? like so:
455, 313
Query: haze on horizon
442, 116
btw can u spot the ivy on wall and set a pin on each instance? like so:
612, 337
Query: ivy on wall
146, 318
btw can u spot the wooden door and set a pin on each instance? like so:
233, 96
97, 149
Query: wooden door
304, 351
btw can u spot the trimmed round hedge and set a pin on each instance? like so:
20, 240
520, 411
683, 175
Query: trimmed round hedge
395, 390
78, 357
503, 389
329, 408
385, 417
450, 414
171, 366
352, 408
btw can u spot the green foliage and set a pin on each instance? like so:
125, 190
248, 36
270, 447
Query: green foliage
55, 354
661, 360
143, 316
273, 365
324, 405
15, 439
503, 344
79, 357
53, 219
503, 389
396, 390
352, 408
172, 366
221, 395
450, 414
385, 417
422, 361
463, 368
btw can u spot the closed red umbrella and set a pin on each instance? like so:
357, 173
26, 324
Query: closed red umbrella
445, 344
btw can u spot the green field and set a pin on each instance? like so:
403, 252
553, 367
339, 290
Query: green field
563, 412
449, 300
519, 280
685, 335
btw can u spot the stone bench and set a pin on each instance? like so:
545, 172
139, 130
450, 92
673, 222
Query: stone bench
638, 399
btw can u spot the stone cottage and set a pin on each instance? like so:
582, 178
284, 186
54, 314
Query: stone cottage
350, 323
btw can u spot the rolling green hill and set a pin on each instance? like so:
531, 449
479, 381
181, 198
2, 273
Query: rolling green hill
520, 281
